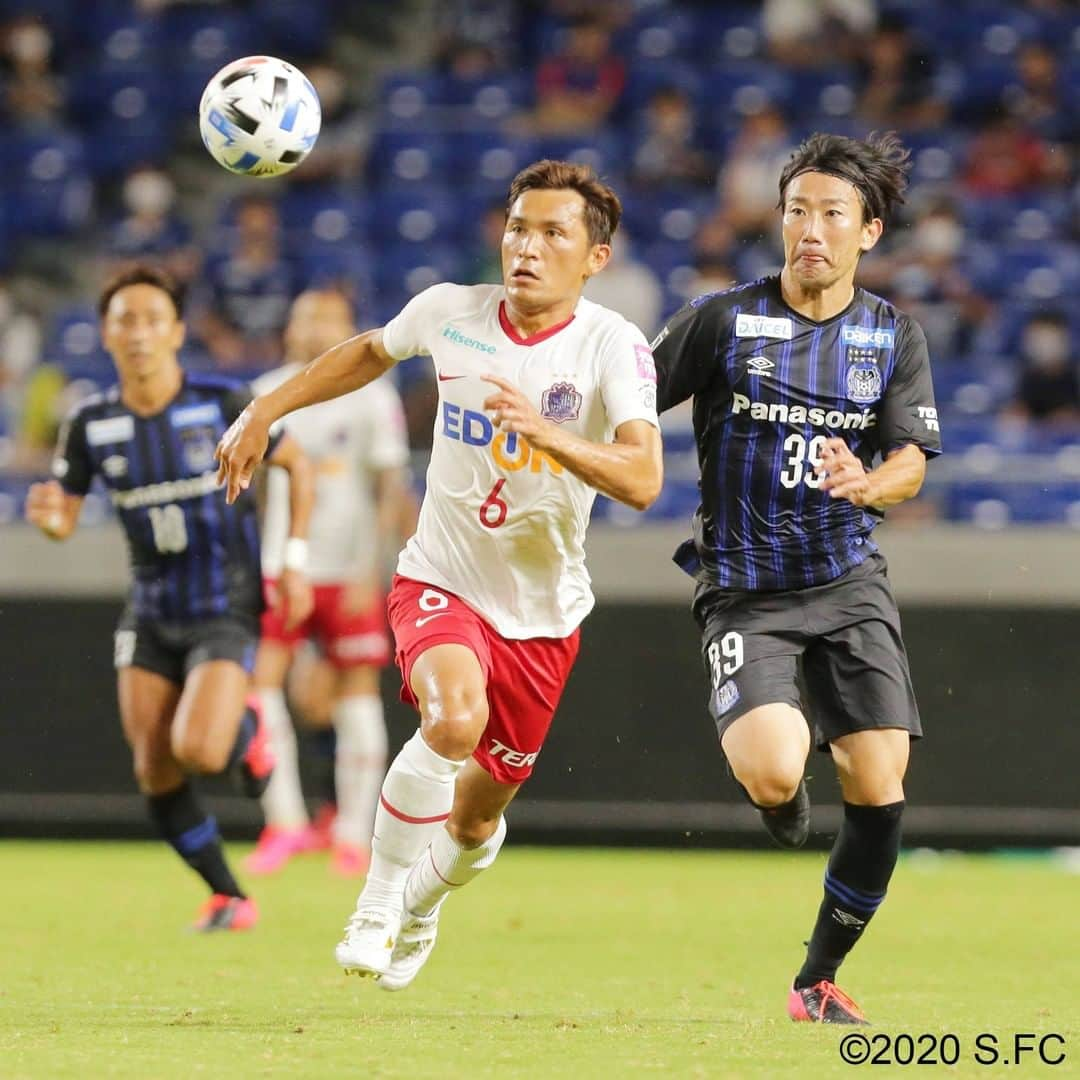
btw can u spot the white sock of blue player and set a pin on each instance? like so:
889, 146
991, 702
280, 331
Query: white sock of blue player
359, 766
447, 866
416, 798
283, 799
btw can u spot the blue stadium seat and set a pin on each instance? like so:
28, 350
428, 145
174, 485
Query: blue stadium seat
296, 27
416, 217
46, 182
405, 271
406, 96
407, 159
603, 150
202, 40
324, 219
488, 99
484, 162
74, 345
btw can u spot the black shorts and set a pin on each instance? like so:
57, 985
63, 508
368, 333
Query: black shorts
845, 634
173, 649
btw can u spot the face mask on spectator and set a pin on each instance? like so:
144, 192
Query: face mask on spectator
148, 193
939, 236
30, 44
1046, 346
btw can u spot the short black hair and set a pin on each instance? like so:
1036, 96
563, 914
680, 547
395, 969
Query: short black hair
142, 274
877, 167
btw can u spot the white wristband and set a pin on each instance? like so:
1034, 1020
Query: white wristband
296, 552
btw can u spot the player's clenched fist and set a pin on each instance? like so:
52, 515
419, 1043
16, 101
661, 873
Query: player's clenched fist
46, 507
843, 475
241, 449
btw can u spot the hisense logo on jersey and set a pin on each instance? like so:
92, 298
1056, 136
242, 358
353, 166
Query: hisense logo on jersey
779, 412
869, 337
452, 333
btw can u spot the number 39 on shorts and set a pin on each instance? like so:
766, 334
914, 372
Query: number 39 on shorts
725, 657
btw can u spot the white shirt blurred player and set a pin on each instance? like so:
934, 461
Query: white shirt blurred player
358, 447
545, 398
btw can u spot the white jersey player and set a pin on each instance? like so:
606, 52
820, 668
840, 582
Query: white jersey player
545, 398
358, 447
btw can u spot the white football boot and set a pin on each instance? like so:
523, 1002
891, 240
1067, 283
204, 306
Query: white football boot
415, 941
368, 946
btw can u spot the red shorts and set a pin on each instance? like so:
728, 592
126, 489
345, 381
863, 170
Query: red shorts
349, 639
525, 678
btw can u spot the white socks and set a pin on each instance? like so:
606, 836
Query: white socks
283, 801
416, 799
359, 765
447, 866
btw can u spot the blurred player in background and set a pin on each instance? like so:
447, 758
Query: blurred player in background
186, 641
357, 446
545, 398
800, 382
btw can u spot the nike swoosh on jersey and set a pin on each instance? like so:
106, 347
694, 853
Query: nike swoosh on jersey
428, 618
447, 378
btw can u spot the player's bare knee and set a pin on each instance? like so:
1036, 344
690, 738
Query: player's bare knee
774, 784
198, 755
452, 725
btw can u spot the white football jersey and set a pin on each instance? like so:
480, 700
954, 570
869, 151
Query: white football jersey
348, 440
503, 525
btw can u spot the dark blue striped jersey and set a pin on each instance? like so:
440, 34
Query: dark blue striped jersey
769, 387
192, 555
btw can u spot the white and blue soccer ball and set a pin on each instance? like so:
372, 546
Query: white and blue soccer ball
259, 116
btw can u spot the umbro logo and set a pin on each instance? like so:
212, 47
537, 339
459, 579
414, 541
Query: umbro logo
759, 365
845, 918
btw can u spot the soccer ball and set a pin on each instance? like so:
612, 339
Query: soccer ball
259, 116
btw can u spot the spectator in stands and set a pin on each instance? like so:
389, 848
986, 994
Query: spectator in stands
20, 355
151, 226
579, 87
928, 277
484, 260
1048, 390
668, 150
1007, 158
33, 93
894, 87
346, 130
628, 286
748, 177
1036, 97
248, 290
815, 33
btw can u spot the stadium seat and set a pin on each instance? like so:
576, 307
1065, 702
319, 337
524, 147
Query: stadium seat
407, 159
46, 182
406, 96
484, 162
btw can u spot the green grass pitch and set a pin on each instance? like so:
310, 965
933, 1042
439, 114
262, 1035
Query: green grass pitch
557, 963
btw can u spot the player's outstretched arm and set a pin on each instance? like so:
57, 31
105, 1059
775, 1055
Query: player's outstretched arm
630, 470
340, 370
897, 479
52, 509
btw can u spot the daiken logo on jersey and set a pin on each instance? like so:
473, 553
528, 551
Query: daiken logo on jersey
867, 337
451, 333
509, 450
